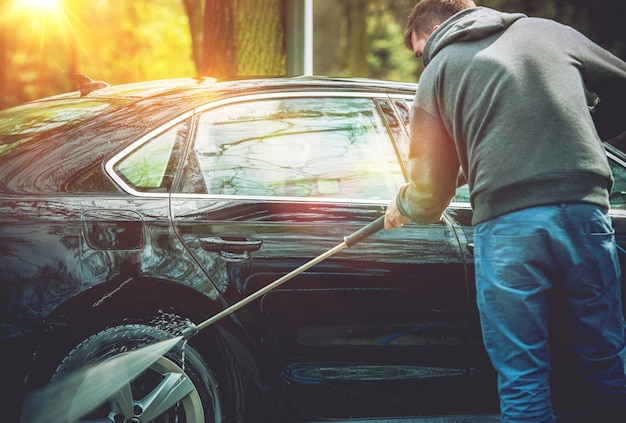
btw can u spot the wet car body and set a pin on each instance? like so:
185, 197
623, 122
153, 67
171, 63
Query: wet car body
143, 214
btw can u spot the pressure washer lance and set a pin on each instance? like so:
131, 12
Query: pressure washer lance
348, 242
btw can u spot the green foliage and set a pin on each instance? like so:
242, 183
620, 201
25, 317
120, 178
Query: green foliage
603, 21
111, 40
121, 41
387, 56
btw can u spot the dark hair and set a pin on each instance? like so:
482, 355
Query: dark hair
428, 13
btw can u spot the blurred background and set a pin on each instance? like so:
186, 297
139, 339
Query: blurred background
44, 43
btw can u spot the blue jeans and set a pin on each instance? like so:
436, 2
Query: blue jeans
520, 257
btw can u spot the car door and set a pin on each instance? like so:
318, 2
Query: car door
272, 181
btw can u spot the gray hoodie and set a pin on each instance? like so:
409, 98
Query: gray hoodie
510, 91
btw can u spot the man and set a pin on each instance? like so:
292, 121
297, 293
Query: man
504, 97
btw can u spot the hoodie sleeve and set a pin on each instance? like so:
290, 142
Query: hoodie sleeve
433, 170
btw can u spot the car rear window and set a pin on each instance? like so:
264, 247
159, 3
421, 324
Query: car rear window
20, 124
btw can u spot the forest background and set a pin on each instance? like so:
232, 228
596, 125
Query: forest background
44, 43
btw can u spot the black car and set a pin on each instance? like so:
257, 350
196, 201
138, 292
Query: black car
129, 212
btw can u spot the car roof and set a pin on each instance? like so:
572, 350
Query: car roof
147, 89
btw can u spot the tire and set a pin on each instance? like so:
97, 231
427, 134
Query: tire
197, 402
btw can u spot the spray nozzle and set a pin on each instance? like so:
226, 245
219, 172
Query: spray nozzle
189, 332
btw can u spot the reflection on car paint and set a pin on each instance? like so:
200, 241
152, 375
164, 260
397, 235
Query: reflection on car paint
318, 373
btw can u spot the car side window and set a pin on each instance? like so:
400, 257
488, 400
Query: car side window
150, 167
462, 194
403, 108
396, 123
618, 193
329, 147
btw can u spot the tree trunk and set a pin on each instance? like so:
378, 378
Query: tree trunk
4, 56
356, 11
260, 37
218, 53
242, 38
3, 66
195, 16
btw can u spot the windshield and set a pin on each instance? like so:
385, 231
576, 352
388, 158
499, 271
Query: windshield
21, 124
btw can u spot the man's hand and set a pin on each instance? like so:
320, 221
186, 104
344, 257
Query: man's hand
393, 218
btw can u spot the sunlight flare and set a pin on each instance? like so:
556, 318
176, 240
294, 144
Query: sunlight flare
44, 5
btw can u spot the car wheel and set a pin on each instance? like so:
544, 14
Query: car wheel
150, 393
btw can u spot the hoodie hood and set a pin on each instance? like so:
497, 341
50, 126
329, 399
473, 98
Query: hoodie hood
468, 25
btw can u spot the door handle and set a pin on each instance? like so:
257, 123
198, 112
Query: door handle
229, 245
470, 247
